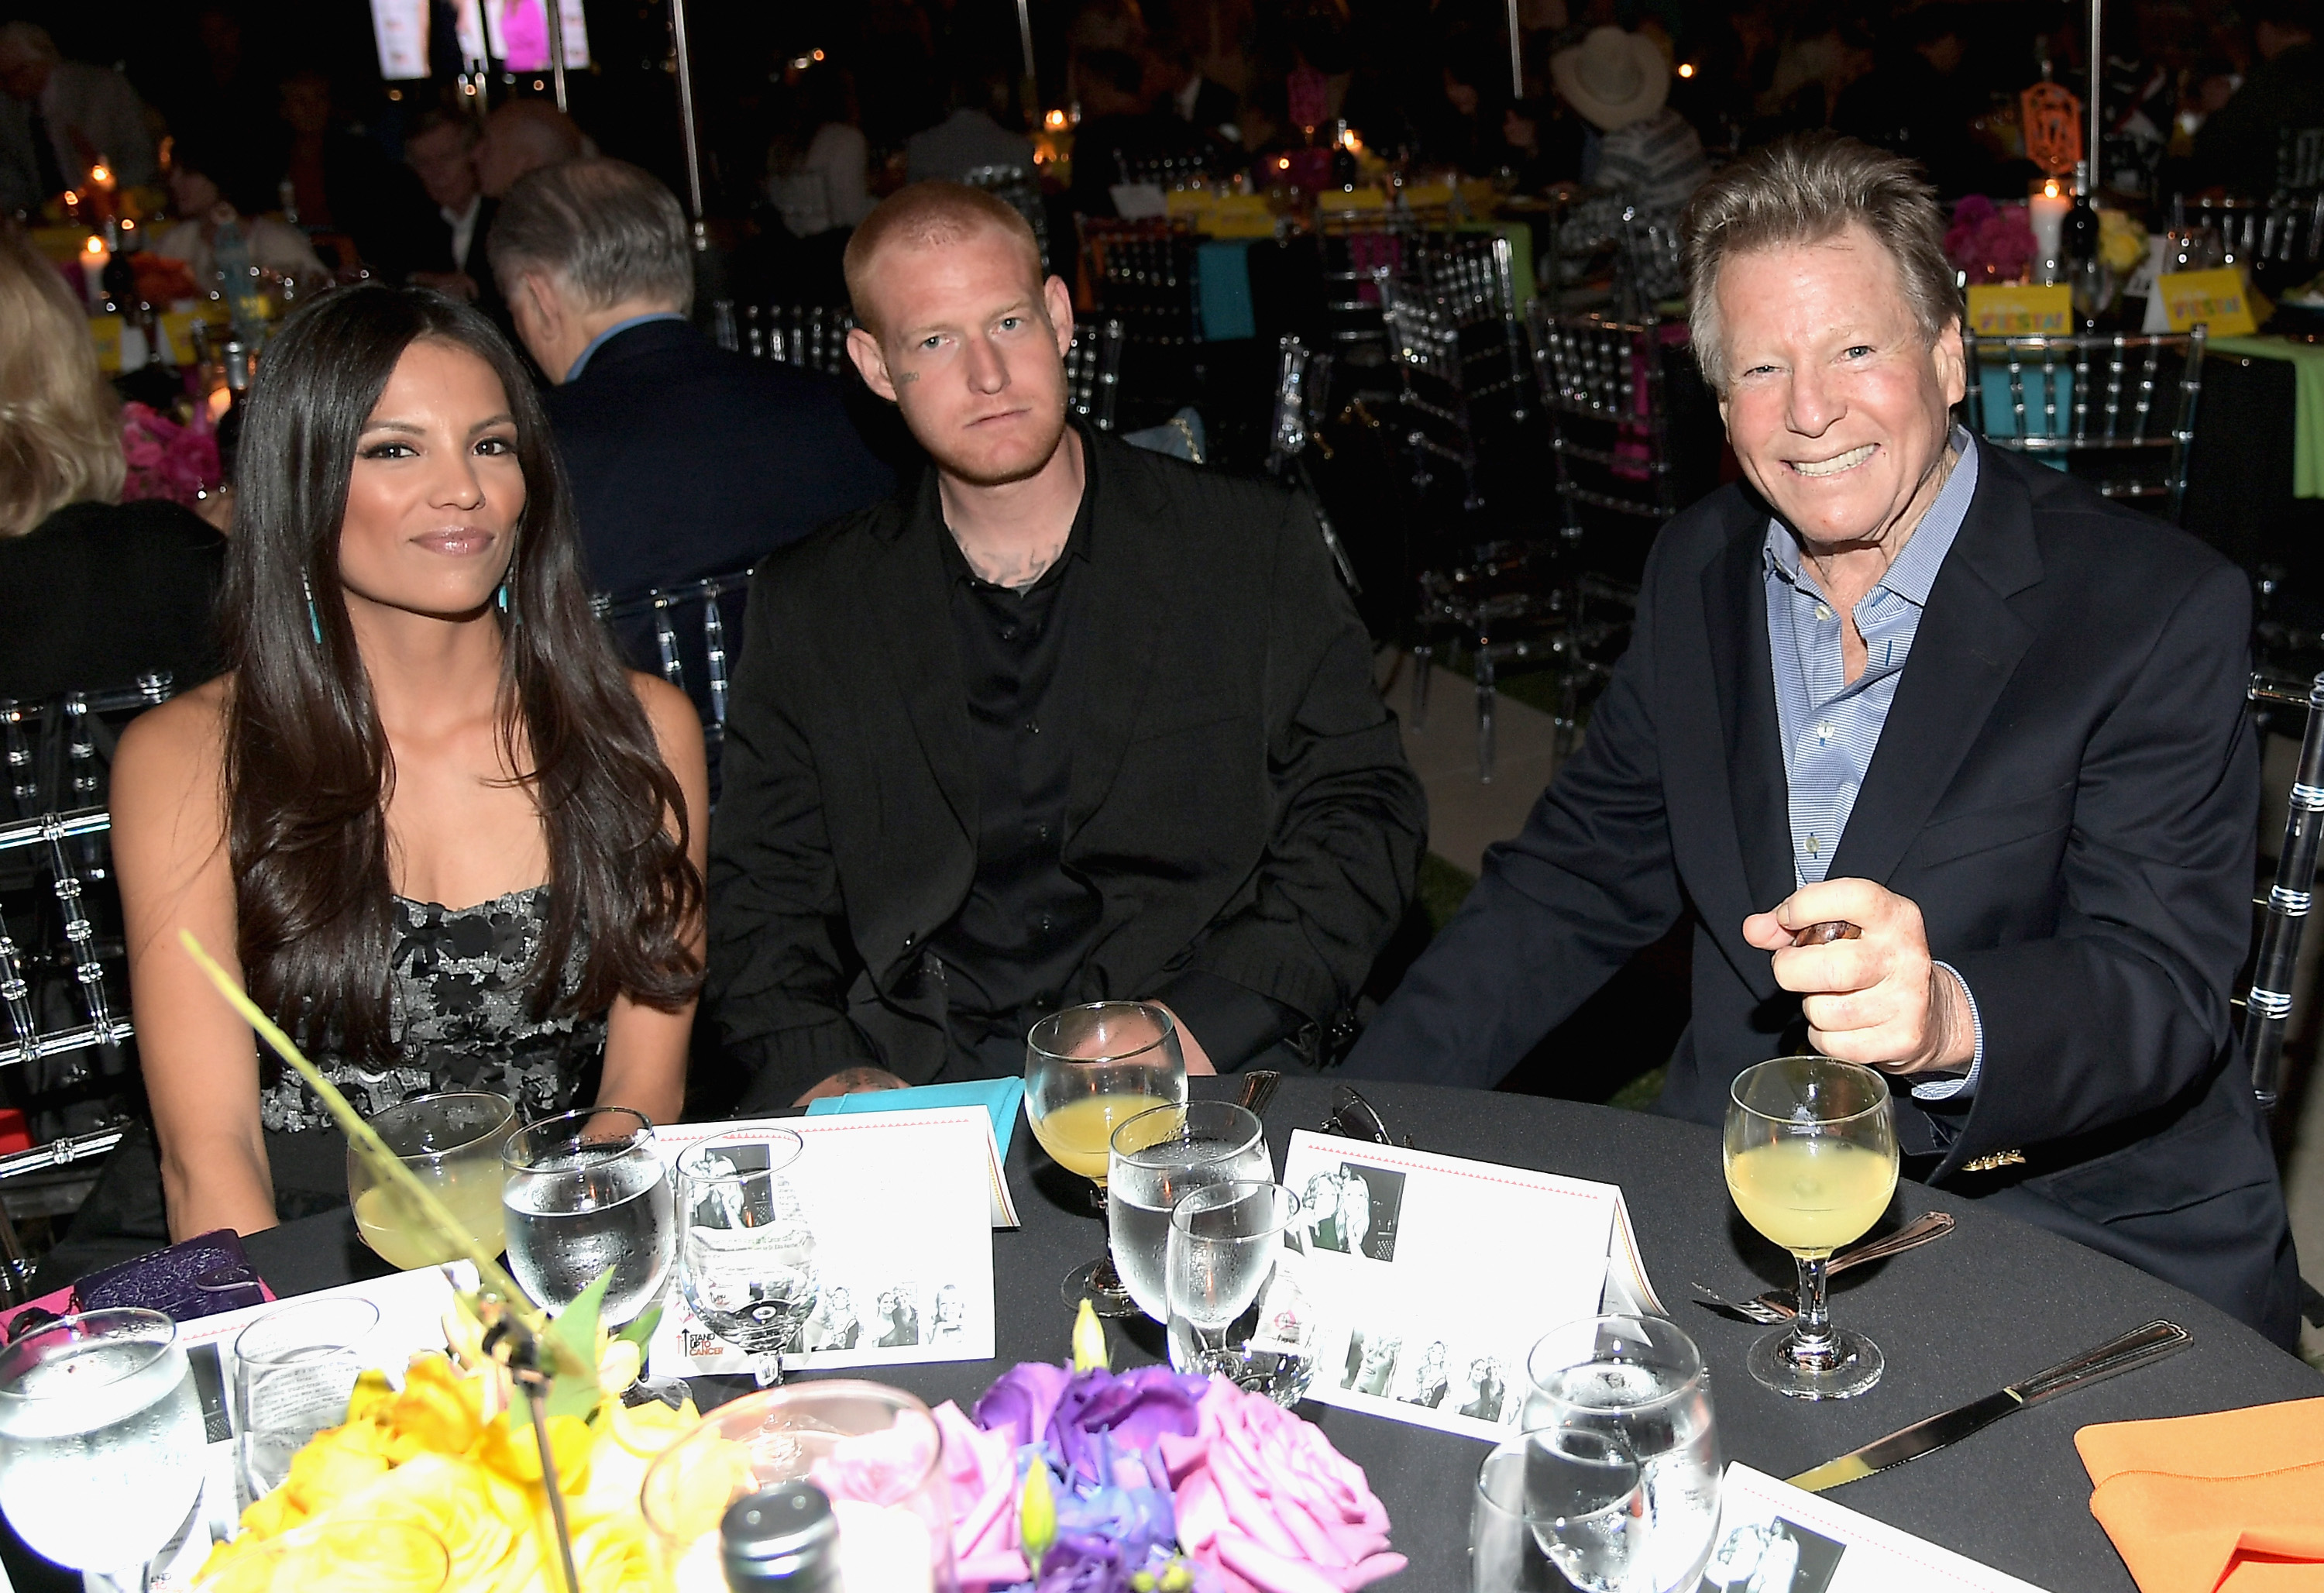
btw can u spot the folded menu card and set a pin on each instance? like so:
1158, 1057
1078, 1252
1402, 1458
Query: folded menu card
999, 1097
2232, 1502
898, 1204
1433, 1276
1773, 1538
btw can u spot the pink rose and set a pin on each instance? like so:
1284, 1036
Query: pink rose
982, 1469
1263, 1497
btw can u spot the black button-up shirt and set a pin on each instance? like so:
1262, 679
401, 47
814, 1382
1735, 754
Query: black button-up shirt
1029, 922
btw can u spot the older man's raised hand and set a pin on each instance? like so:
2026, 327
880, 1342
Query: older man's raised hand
1879, 998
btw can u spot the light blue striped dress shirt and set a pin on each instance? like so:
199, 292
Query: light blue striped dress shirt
1831, 726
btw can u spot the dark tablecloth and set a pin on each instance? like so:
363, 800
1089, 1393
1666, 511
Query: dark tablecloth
1992, 1304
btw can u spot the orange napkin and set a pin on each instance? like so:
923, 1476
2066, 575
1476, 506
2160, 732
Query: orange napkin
2232, 1502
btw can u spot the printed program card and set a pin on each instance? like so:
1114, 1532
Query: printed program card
1774, 1537
1433, 1276
897, 1203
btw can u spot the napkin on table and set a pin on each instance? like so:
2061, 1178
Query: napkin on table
2231, 1503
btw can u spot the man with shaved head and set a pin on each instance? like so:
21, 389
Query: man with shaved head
1063, 722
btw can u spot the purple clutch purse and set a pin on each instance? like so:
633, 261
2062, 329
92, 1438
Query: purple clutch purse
196, 1278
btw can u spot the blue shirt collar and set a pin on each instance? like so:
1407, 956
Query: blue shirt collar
615, 331
1914, 570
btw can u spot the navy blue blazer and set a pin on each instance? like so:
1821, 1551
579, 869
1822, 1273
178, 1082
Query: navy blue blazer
2066, 785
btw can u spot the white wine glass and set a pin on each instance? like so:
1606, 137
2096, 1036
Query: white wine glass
1088, 1069
746, 1256
586, 1191
452, 1143
1159, 1158
102, 1444
1810, 1155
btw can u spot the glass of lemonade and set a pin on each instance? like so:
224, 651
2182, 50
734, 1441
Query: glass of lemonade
1811, 1154
101, 1440
588, 1191
1088, 1069
452, 1141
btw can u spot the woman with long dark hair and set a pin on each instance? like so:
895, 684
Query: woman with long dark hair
447, 841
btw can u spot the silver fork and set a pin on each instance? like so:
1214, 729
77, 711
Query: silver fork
1259, 1088
1780, 1305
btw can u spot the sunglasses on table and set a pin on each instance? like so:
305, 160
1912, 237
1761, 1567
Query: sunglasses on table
1354, 1117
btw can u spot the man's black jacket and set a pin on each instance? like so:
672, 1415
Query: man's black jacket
2065, 785
1239, 799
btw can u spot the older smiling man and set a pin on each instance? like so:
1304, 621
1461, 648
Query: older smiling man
1945, 695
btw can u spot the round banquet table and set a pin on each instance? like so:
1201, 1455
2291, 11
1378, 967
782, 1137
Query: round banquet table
1993, 1303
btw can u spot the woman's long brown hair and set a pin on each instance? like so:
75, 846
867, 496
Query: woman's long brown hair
308, 767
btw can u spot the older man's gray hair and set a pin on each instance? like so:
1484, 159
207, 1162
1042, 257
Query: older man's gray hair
610, 231
1808, 188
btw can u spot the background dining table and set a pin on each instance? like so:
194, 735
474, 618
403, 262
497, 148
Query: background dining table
1993, 1303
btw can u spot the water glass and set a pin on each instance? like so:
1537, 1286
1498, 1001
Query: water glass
1538, 1526
452, 1143
1157, 1158
294, 1370
875, 1452
1632, 1387
1088, 1069
343, 1556
746, 1256
586, 1192
101, 1440
1238, 1307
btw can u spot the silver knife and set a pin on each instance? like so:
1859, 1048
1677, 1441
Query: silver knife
2132, 1349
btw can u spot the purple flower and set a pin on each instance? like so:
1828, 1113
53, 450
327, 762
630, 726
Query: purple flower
1086, 1562
1021, 1400
1137, 1408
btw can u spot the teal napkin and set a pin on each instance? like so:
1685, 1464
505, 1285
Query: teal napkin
999, 1097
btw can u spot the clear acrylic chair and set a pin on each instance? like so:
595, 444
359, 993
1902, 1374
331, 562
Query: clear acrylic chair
2124, 403
1303, 390
681, 634
1093, 370
1018, 189
814, 336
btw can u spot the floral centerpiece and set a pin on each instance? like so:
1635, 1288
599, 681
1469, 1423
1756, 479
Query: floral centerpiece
1990, 243
166, 459
1084, 1480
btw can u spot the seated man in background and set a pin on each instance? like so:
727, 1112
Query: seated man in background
1064, 722
686, 460
441, 152
1933, 690
522, 136
59, 117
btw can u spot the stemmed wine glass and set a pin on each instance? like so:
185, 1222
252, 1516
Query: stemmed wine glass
1811, 1154
101, 1440
1088, 1069
746, 1257
586, 1191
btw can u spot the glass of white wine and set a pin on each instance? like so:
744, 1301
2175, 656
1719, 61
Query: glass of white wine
1811, 1154
1088, 1069
452, 1143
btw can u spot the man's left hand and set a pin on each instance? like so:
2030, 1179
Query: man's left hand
1877, 999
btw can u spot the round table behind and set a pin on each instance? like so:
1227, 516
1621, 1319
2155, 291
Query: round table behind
1994, 1303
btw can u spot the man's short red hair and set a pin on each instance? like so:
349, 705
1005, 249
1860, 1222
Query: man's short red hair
927, 215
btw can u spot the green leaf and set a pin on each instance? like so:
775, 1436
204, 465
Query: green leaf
641, 1331
570, 1348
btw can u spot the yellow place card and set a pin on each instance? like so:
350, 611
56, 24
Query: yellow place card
177, 325
106, 329
2021, 312
1223, 215
2216, 299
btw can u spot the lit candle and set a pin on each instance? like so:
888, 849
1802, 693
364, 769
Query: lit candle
2049, 208
94, 259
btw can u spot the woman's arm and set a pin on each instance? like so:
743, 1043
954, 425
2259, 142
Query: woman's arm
199, 1060
645, 1048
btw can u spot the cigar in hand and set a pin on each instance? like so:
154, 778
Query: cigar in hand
1824, 934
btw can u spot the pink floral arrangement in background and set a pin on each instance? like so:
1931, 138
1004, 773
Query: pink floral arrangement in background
1992, 242
166, 460
1082, 1480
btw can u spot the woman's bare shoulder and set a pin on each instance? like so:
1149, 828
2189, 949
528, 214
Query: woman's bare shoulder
184, 736
669, 711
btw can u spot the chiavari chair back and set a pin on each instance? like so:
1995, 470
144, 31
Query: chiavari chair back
2125, 403
813, 336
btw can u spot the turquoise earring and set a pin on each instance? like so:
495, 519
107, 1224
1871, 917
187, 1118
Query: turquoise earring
504, 597
314, 620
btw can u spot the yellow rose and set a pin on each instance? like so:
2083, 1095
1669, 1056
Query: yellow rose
331, 1466
2122, 241
484, 1519
511, 1449
438, 1410
371, 1391
611, 1557
650, 1428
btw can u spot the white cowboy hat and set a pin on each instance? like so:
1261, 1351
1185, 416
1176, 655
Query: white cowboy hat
1612, 78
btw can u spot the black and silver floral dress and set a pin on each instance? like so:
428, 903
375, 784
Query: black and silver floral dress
460, 1007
